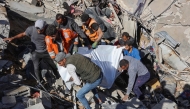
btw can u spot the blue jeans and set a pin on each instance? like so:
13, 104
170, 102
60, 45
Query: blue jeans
85, 89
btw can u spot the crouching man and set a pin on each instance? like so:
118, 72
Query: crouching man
78, 65
135, 68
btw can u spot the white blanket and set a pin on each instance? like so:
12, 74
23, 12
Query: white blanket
105, 56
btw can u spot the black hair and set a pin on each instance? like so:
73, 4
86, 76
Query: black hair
129, 43
60, 16
125, 34
123, 62
95, 26
51, 30
84, 17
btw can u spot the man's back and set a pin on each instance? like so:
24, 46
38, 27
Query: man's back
85, 68
135, 66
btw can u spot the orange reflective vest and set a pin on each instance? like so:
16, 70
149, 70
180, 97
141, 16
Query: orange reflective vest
67, 35
93, 36
51, 47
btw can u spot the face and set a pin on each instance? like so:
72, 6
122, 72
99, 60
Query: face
40, 31
125, 38
125, 67
62, 63
60, 21
127, 47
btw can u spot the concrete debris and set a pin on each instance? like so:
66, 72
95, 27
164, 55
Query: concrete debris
11, 78
35, 103
25, 7
161, 29
165, 104
20, 91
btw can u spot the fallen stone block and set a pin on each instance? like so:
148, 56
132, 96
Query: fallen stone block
165, 104
33, 2
33, 103
25, 7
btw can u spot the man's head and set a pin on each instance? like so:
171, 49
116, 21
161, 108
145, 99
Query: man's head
124, 64
85, 18
128, 45
95, 2
51, 31
125, 36
61, 19
94, 27
40, 25
61, 58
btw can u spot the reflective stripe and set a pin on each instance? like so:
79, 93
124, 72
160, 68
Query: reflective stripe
52, 53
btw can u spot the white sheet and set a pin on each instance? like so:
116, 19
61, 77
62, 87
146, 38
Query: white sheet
105, 56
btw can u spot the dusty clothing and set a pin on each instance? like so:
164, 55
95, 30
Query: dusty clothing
85, 68
71, 24
68, 37
135, 68
93, 35
121, 42
36, 38
52, 47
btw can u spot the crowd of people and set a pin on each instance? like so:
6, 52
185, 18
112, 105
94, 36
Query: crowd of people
58, 43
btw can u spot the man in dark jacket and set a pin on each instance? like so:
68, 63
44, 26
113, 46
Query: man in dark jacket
65, 22
134, 68
125, 38
89, 72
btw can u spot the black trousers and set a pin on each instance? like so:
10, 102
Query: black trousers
36, 57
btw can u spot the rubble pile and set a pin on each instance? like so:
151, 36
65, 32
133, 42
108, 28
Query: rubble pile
161, 29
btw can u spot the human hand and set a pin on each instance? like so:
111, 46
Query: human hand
94, 45
125, 98
89, 47
118, 46
71, 79
8, 39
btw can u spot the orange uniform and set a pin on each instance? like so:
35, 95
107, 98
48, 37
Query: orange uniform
67, 37
93, 36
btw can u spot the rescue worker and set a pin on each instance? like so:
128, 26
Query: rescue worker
125, 38
58, 40
91, 75
134, 68
37, 35
64, 22
91, 29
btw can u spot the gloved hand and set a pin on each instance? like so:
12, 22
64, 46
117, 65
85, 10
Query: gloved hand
94, 45
75, 49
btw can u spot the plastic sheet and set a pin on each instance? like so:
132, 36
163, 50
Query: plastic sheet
107, 57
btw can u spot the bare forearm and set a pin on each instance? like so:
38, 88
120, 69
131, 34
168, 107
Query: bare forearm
19, 35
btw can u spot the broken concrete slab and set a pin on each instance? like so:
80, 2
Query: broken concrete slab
180, 34
25, 7
158, 6
165, 104
33, 2
4, 23
185, 14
